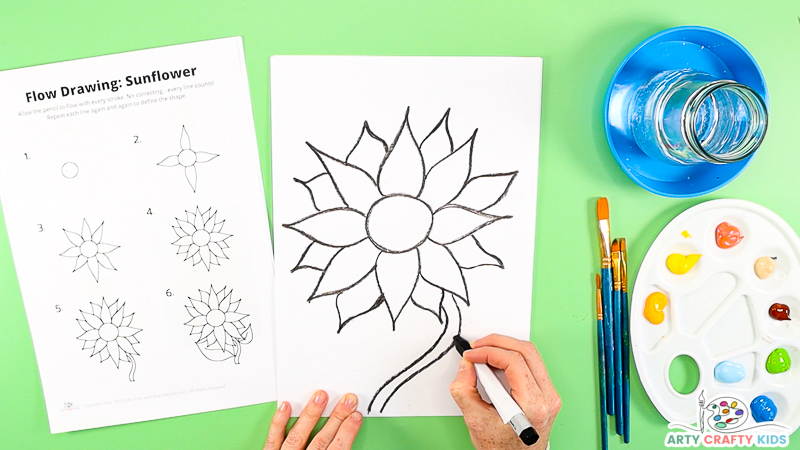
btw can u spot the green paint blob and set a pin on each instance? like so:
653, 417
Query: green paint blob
778, 361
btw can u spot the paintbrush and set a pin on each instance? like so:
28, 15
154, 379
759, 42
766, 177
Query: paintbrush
601, 366
626, 343
616, 304
604, 229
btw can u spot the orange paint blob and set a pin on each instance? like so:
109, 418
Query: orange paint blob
728, 235
654, 307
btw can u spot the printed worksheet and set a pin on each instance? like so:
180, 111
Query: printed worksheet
405, 204
132, 193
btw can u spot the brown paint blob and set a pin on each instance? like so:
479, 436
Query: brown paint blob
728, 235
779, 311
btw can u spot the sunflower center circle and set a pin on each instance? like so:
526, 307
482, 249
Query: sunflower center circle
187, 158
201, 238
399, 223
215, 318
88, 249
108, 332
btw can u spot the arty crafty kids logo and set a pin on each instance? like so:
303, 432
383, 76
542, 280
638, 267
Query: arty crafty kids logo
728, 422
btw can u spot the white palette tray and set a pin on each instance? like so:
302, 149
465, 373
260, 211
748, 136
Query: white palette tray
719, 310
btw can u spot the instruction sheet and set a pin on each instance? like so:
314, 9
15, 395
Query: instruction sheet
132, 193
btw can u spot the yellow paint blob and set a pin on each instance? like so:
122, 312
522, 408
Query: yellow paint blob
686, 234
654, 307
680, 264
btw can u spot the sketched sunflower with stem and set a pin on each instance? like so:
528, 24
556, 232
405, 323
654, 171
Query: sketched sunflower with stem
395, 226
108, 333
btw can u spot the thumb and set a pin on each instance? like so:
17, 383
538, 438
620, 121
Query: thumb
464, 389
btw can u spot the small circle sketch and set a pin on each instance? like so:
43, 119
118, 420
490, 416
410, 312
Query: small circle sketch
69, 170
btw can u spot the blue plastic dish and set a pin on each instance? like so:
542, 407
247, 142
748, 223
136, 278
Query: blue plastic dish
697, 48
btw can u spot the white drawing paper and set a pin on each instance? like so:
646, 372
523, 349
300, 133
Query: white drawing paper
404, 203
132, 193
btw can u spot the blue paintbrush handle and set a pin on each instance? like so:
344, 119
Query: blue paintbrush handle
626, 369
608, 336
601, 372
618, 360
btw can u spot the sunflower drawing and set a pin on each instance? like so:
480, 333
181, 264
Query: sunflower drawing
108, 333
188, 159
89, 250
215, 318
395, 226
200, 238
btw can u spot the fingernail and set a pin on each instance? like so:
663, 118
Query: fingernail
462, 365
350, 400
357, 417
284, 406
319, 398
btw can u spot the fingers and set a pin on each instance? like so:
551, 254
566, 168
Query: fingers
347, 432
532, 358
334, 425
298, 435
277, 428
465, 391
523, 386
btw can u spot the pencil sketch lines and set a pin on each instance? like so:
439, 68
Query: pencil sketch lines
89, 250
187, 158
200, 238
218, 324
108, 333
395, 225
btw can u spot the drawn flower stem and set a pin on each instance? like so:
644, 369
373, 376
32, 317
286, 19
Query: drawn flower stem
451, 326
133, 367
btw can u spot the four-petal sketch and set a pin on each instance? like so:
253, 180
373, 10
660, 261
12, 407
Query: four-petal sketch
187, 158
395, 226
219, 325
89, 250
200, 238
108, 333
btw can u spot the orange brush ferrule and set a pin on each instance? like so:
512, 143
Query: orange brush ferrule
605, 232
616, 270
623, 264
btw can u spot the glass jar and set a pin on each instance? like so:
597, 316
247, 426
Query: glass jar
685, 117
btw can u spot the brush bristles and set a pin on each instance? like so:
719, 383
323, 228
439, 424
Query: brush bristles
597, 279
615, 246
602, 208
622, 244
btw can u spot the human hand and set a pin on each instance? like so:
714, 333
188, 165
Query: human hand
530, 386
338, 433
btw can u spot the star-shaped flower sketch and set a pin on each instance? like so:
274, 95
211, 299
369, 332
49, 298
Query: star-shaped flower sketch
396, 223
89, 250
200, 238
219, 326
187, 158
108, 333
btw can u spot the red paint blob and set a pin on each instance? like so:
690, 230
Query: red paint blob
779, 311
728, 235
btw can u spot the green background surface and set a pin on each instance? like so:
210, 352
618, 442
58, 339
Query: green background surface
582, 42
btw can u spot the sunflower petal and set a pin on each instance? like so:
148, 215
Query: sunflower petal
427, 296
222, 337
403, 170
205, 256
94, 267
186, 144
126, 320
105, 313
368, 153
198, 321
339, 227
316, 256
113, 351
116, 318
74, 238
104, 261
103, 351
225, 303
92, 320
232, 331
200, 307
84, 325
106, 248
80, 261
213, 298
100, 347
90, 335
446, 179
322, 191
207, 329
438, 144
346, 268
191, 176
397, 275
483, 192
439, 268
204, 156
72, 252
86, 231
356, 187
470, 254
358, 300
454, 222
183, 241
126, 346
169, 161
232, 316
193, 312
186, 228
128, 331
97, 236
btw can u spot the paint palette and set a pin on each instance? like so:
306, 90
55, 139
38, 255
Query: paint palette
718, 311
